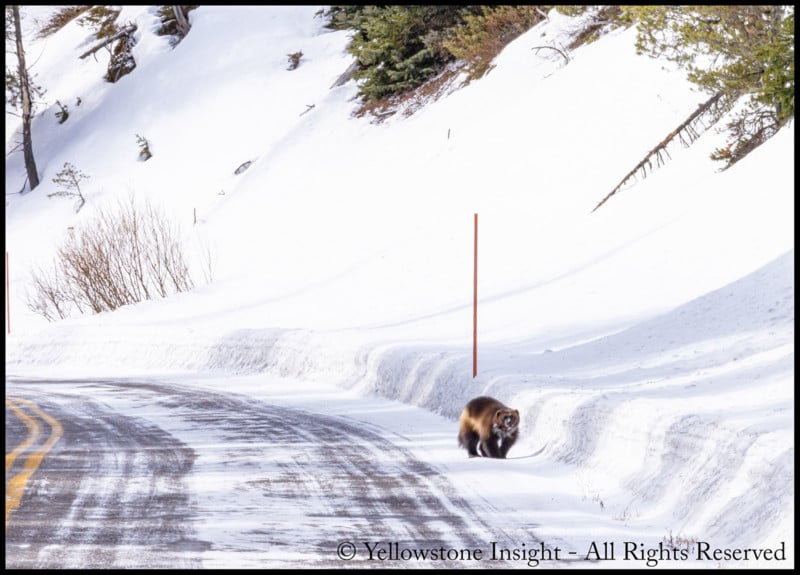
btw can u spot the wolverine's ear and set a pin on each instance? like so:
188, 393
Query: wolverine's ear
517, 412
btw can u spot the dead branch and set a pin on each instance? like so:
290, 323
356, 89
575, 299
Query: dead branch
22, 189
126, 31
14, 149
552, 48
687, 134
347, 74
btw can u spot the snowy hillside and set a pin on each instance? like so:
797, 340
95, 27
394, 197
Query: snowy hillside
649, 346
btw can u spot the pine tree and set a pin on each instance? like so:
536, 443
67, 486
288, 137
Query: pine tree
738, 51
397, 47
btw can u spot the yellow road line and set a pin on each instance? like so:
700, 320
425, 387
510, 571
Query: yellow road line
16, 486
34, 430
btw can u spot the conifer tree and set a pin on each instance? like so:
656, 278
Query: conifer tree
397, 47
738, 51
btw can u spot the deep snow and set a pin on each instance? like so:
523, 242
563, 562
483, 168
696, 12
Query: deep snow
649, 346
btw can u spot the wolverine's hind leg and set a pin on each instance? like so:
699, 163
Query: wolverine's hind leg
469, 439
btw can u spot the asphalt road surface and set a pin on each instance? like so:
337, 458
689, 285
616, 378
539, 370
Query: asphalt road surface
123, 474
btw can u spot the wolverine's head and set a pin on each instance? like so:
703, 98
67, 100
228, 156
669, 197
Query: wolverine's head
506, 420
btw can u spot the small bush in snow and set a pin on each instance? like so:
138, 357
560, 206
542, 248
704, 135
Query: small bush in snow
62, 113
144, 148
69, 178
294, 60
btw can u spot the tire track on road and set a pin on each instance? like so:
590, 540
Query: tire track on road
109, 495
207, 478
336, 480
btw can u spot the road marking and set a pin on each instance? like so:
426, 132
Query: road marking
34, 431
16, 485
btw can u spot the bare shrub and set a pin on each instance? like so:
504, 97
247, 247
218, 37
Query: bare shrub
48, 297
124, 255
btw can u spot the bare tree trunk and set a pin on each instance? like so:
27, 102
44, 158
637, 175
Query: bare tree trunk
27, 104
180, 18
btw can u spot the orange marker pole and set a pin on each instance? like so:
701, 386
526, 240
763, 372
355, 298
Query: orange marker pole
475, 305
8, 297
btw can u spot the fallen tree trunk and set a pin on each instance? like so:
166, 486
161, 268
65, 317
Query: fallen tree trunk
686, 126
126, 31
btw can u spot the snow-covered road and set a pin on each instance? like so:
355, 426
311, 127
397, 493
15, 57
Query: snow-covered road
164, 475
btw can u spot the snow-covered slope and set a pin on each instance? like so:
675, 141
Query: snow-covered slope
648, 345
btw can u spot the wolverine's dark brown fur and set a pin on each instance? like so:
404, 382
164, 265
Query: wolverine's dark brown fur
490, 424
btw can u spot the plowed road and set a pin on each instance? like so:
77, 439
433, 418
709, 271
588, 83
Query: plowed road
154, 475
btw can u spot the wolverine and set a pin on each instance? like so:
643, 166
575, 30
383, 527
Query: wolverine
490, 424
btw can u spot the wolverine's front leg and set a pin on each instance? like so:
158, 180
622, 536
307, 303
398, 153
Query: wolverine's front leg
490, 448
505, 445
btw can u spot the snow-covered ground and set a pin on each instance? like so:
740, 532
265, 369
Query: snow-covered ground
649, 346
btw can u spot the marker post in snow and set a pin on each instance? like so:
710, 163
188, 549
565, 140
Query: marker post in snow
475, 304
